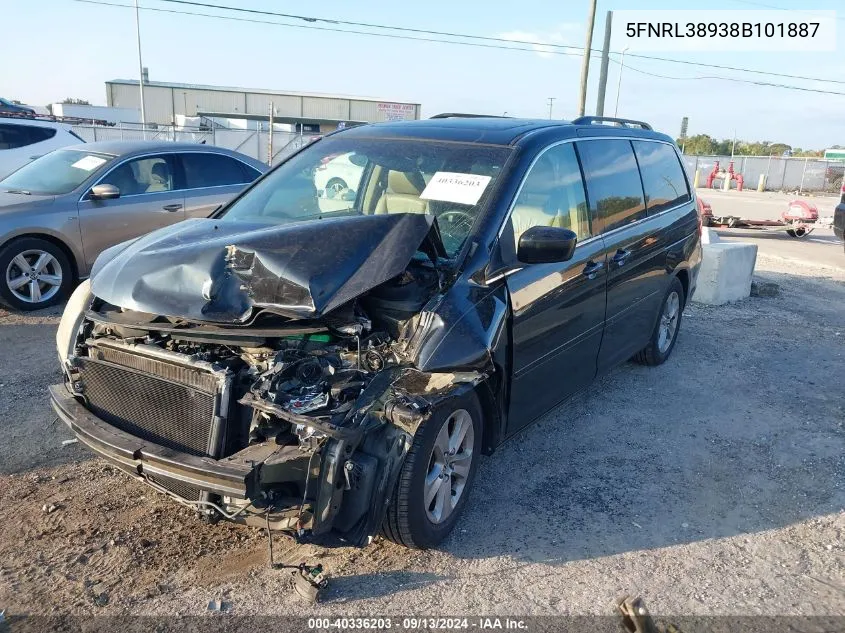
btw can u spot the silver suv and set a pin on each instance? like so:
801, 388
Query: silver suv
60, 211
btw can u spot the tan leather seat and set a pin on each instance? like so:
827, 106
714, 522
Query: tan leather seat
159, 178
402, 194
530, 208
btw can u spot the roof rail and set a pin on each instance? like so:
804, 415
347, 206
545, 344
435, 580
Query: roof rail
589, 120
462, 115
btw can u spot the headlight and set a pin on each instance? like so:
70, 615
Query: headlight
72, 320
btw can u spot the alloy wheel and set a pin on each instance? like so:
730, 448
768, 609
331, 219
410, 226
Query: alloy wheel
34, 276
449, 466
669, 322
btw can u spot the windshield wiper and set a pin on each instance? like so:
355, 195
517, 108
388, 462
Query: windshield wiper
23, 192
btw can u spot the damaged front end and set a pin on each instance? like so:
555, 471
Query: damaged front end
294, 417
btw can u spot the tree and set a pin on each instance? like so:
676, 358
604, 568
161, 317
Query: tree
72, 101
697, 145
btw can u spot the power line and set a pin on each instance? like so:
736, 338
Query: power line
324, 28
486, 38
545, 46
771, 6
733, 79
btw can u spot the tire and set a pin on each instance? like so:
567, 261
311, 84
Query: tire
52, 283
657, 350
409, 521
334, 187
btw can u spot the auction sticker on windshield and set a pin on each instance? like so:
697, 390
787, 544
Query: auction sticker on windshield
449, 186
89, 163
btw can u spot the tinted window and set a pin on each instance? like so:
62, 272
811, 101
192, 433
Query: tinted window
143, 175
613, 182
212, 170
14, 136
663, 176
553, 195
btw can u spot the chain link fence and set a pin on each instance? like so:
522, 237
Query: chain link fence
253, 143
782, 174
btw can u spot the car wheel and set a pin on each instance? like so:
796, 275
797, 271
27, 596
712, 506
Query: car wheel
437, 475
666, 330
335, 187
34, 274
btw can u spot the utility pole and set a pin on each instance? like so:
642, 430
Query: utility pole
270, 139
605, 59
551, 103
140, 70
585, 62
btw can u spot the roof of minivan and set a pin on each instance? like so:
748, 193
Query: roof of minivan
493, 130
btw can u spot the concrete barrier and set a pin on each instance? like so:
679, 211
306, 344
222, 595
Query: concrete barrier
726, 271
709, 236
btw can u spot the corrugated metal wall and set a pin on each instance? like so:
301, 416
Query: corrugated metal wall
286, 105
324, 108
158, 101
209, 101
162, 102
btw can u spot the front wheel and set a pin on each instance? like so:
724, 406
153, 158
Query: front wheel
666, 330
437, 475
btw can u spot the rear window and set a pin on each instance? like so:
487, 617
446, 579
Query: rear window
613, 182
13, 136
663, 177
212, 170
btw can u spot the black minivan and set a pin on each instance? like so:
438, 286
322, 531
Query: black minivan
321, 363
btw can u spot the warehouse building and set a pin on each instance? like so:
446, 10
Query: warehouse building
165, 103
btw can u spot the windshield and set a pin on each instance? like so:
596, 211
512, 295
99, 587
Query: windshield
364, 176
55, 173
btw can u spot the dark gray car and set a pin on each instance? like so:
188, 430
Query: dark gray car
60, 211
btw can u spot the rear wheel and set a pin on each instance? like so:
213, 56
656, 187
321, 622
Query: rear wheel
437, 475
34, 274
666, 330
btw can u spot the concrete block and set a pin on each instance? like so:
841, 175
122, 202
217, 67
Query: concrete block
709, 236
726, 271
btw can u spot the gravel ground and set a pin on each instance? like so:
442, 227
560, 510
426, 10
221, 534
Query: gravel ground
710, 485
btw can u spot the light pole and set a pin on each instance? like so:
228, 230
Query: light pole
140, 70
551, 103
619, 83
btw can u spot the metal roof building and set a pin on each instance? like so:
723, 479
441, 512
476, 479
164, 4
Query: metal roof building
164, 100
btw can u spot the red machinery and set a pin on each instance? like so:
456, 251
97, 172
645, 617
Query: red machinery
798, 220
721, 173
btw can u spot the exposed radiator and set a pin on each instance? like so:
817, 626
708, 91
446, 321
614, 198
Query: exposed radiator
172, 405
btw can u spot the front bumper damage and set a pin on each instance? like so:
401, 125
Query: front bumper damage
349, 479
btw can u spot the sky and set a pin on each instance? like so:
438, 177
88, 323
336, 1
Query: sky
52, 49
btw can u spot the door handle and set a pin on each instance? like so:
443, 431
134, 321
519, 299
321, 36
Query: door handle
592, 269
621, 256
172, 207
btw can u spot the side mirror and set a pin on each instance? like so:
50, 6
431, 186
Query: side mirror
104, 192
545, 245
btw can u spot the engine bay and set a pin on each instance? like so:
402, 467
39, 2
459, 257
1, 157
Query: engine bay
286, 397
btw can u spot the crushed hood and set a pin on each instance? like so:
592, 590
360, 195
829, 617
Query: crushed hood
212, 270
